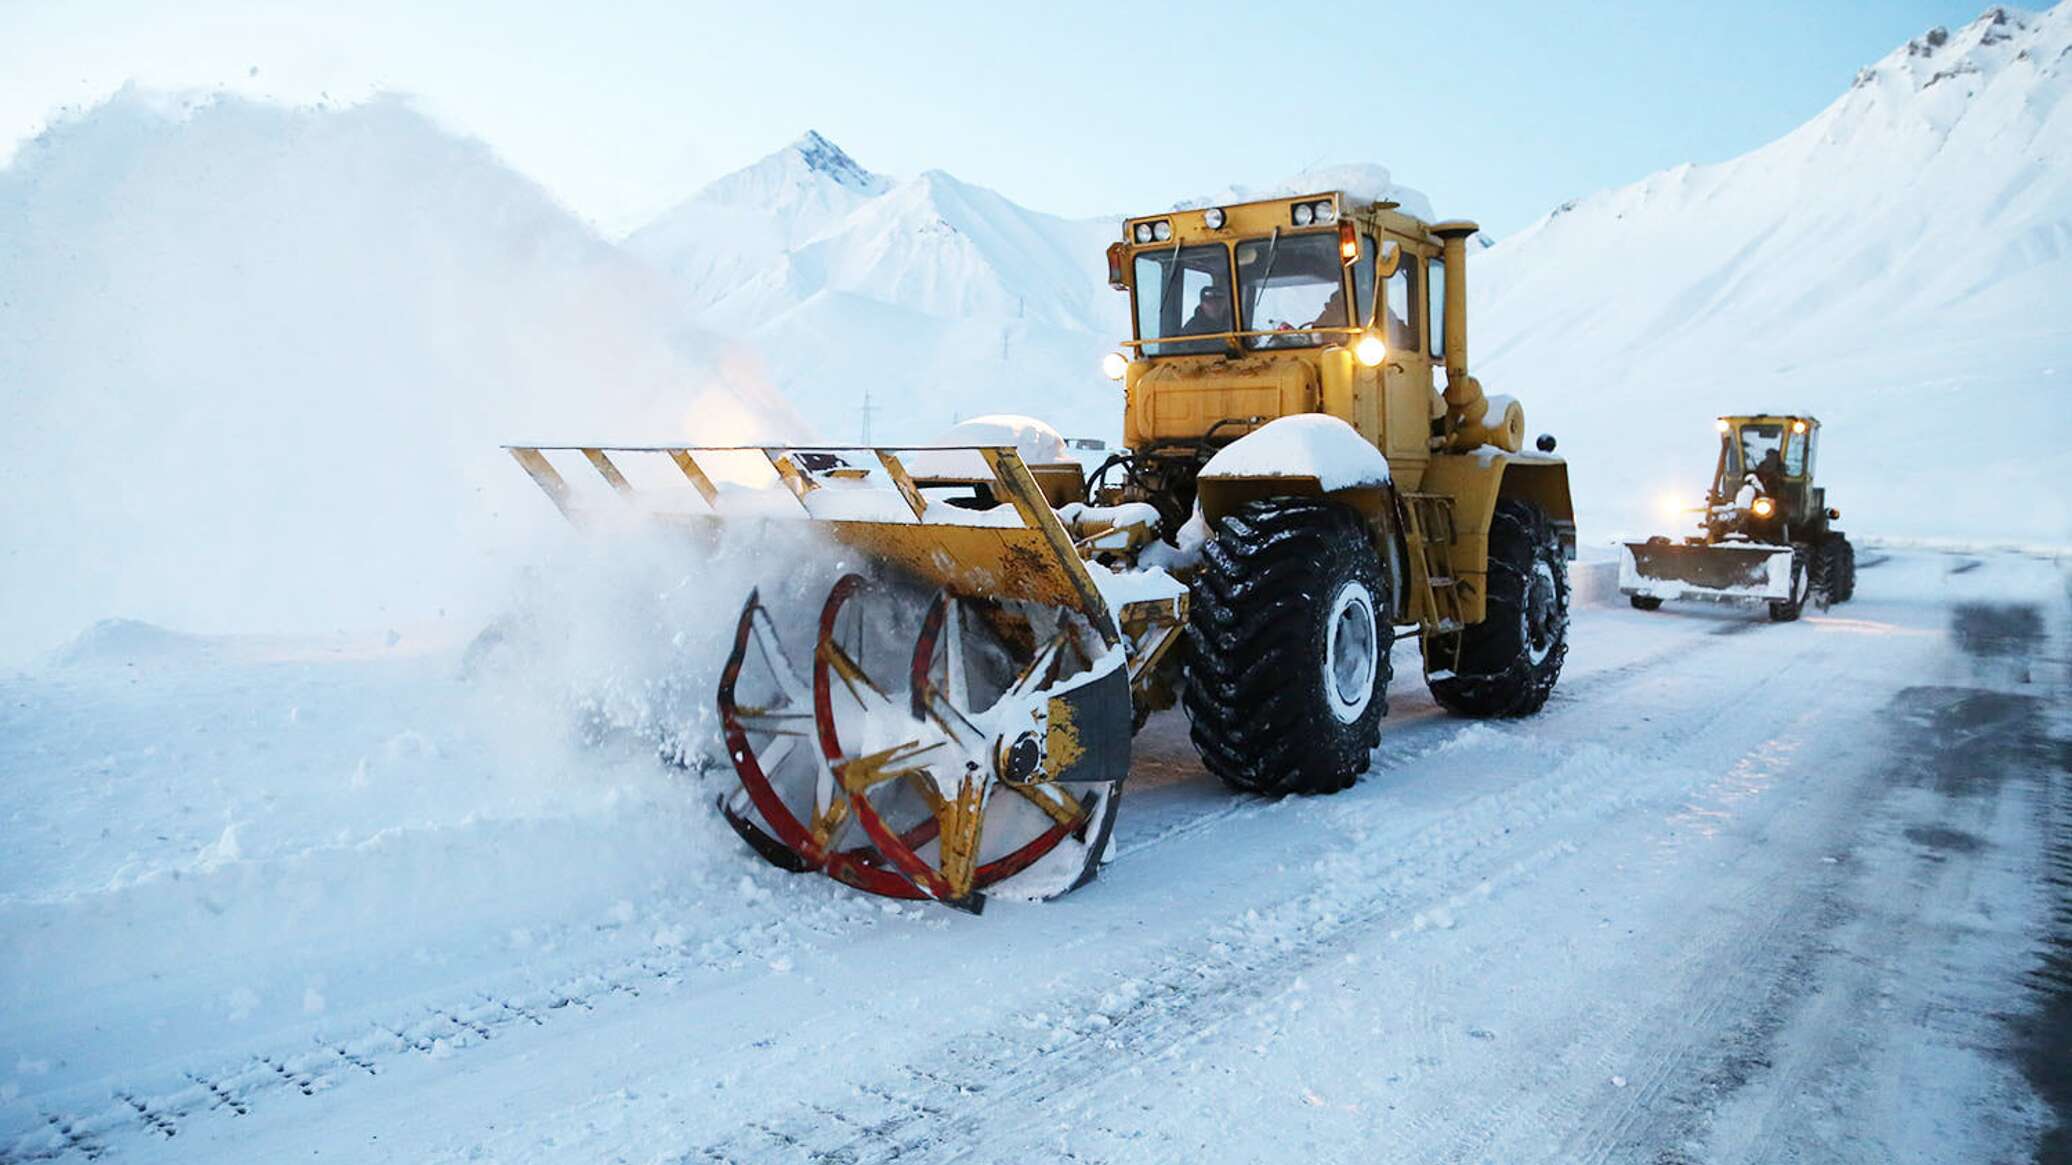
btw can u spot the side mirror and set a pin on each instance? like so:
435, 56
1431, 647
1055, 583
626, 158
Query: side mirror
1387, 259
1118, 268
1545, 443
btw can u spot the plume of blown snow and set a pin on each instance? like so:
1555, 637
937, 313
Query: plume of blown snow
256, 364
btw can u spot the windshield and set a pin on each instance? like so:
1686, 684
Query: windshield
1183, 293
1756, 449
1292, 283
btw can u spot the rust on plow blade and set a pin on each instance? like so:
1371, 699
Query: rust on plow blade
976, 749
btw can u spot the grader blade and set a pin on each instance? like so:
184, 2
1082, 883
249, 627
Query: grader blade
1661, 569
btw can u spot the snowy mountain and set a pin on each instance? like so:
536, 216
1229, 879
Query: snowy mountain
256, 363
937, 298
1897, 265
1900, 265
734, 228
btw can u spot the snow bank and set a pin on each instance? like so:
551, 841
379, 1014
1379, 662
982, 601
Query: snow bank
1306, 445
286, 842
255, 364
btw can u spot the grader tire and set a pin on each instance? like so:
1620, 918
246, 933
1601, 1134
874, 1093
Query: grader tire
1847, 579
1508, 662
1824, 568
1645, 602
1288, 638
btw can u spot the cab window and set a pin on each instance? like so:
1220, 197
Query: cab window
1435, 287
1798, 450
1288, 286
1399, 321
1183, 292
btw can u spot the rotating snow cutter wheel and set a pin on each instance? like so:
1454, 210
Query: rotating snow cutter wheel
996, 770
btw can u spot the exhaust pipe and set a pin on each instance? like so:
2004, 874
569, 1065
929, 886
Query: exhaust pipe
1469, 420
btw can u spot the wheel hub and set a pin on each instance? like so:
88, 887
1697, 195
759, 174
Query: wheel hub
1350, 652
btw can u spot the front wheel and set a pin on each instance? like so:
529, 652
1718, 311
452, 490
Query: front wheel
1644, 602
1506, 665
1288, 648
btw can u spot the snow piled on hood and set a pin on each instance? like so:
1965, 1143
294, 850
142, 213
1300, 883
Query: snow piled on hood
1307, 445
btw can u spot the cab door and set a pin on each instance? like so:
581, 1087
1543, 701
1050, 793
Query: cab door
1405, 320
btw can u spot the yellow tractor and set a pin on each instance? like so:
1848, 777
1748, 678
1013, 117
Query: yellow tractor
1296, 483
1767, 533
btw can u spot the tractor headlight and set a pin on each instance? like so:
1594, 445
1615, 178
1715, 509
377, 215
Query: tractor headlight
1370, 350
1115, 364
1762, 507
1722, 426
1304, 214
1326, 212
1213, 218
1161, 230
1143, 232
1798, 426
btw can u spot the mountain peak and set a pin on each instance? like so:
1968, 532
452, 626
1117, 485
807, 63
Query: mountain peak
823, 157
2000, 34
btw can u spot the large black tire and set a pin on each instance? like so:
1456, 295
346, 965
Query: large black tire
1823, 565
1801, 586
1846, 582
1288, 648
1508, 662
1645, 602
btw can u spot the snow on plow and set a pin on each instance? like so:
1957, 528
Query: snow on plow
1665, 570
958, 722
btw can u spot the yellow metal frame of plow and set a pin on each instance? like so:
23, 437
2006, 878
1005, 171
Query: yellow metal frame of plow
1034, 561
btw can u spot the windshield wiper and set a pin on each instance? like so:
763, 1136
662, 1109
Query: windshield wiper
1273, 250
1165, 292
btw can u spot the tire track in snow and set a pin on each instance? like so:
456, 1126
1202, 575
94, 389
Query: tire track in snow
1196, 993
229, 1091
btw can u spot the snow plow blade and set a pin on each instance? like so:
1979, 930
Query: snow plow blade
1661, 569
958, 722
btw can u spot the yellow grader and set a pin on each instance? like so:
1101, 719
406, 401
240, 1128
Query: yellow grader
1767, 533
1296, 483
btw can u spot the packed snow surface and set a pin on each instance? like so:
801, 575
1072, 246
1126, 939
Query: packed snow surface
1742, 890
1309, 445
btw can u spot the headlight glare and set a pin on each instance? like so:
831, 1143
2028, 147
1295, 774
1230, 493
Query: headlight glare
1370, 351
1114, 365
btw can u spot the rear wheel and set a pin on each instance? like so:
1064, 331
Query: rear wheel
1288, 638
1506, 665
1823, 567
1787, 610
1644, 602
1846, 580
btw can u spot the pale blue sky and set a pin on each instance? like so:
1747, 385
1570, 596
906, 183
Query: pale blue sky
1499, 110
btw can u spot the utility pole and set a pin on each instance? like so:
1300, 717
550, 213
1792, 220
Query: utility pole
866, 410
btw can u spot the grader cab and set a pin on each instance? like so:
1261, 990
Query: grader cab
1296, 482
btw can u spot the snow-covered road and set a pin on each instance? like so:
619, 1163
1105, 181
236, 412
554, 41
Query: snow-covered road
1742, 892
